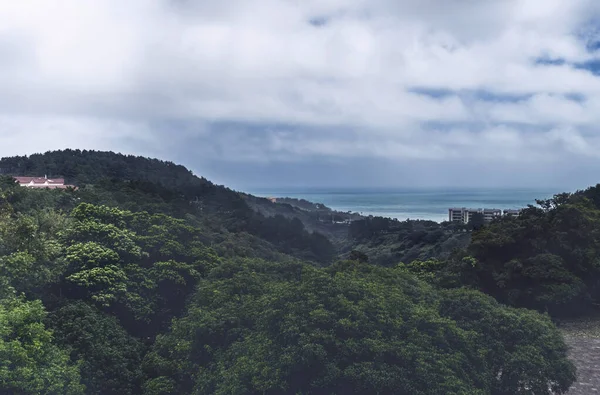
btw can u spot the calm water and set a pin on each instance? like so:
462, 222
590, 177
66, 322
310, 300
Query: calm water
430, 204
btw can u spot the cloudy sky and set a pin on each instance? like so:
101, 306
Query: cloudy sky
387, 93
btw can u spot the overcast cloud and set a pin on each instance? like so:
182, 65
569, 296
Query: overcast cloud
312, 92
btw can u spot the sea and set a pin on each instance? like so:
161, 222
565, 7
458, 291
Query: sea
425, 203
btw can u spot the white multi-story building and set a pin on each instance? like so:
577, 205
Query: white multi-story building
465, 215
491, 213
456, 214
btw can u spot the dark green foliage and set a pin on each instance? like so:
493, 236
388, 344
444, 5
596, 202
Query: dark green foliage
369, 227
358, 256
476, 221
524, 351
7, 182
303, 204
142, 184
291, 238
160, 282
546, 259
260, 328
314, 216
89, 167
387, 242
110, 358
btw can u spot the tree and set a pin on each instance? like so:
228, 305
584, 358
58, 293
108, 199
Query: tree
257, 327
476, 221
359, 256
524, 351
140, 267
109, 357
31, 255
545, 259
143, 184
146, 256
30, 363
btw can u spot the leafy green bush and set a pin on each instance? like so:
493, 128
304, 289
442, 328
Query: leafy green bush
258, 327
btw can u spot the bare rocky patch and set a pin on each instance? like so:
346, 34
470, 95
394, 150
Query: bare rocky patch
583, 338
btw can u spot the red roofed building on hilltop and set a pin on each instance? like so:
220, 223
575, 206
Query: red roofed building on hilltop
42, 182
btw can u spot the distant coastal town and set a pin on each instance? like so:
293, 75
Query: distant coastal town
466, 215
463, 215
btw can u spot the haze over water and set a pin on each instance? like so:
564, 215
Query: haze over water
418, 203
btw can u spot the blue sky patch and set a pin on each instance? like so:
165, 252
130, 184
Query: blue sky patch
592, 65
318, 21
483, 95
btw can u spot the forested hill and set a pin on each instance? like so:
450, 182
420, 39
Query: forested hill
315, 217
172, 183
165, 187
387, 242
88, 167
149, 280
142, 184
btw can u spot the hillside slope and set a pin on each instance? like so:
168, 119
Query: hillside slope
137, 183
149, 280
165, 187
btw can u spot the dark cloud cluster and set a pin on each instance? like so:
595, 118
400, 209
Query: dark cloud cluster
507, 88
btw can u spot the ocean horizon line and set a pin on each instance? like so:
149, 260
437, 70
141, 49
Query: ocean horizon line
418, 204
297, 189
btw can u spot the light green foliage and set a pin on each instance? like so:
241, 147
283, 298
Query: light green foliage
31, 254
29, 361
145, 263
122, 240
105, 285
96, 269
425, 270
17, 265
90, 255
175, 272
140, 267
102, 214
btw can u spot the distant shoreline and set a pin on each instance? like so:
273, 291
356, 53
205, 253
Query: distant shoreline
429, 204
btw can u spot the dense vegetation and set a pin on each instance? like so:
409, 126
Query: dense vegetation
140, 184
149, 280
316, 217
255, 327
303, 204
387, 241
547, 259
